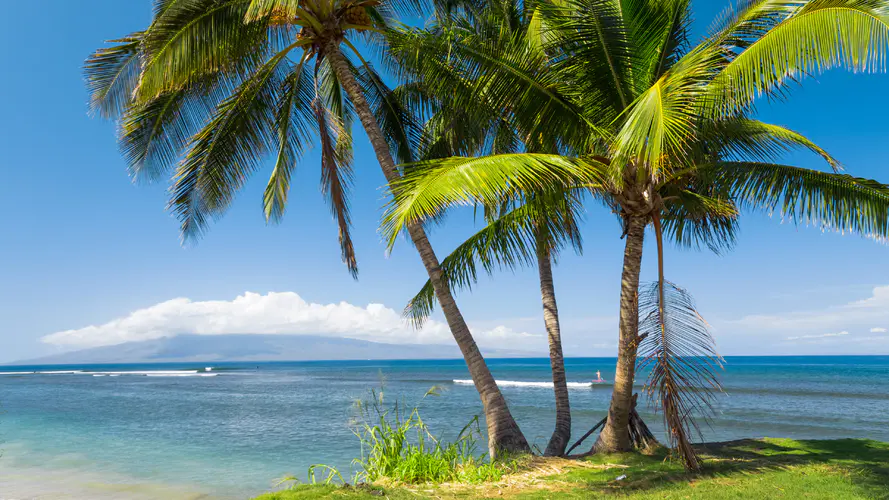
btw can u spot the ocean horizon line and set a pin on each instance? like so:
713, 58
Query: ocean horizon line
495, 360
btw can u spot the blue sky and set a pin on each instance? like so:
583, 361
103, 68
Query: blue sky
83, 246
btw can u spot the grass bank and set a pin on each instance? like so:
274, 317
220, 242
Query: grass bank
767, 468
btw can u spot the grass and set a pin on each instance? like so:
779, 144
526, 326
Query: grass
396, 445
767, 468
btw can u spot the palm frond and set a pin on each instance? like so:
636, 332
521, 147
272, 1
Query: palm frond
394, 116
509, 241
680, 355
749, 139
191, 39
294, 114
695, 220
819, 35
333, 113
111, 75
429, 187
228, 148
598, 51
154, 133
832, 201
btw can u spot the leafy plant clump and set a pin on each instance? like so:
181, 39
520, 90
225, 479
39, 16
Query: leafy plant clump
397, 446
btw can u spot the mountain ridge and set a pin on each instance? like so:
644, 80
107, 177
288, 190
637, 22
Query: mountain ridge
258, 347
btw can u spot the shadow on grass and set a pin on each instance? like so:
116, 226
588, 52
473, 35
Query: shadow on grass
867, 460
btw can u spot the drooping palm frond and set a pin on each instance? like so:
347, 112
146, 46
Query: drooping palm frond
154, 133
693, 218
112, 74
228, 148
754, 140
293, 115
838, 202
507, 242
680, 355
334, 115
814, 37
431, 186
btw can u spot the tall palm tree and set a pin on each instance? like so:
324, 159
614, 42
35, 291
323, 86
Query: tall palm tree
662, 131
213, 86
529, 234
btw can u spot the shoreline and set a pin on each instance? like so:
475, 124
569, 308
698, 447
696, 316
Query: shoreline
86, 481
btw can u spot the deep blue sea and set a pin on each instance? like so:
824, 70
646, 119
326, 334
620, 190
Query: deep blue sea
189, 435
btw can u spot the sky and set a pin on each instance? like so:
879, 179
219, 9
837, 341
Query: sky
89, 258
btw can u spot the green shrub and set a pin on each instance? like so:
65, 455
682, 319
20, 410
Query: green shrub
397, 445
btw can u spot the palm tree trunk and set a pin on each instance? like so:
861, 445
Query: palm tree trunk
504, 434
615, 436
562, 433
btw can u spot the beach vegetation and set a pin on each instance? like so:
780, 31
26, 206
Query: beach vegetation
210, 89
398, 446
752, 468
660, 130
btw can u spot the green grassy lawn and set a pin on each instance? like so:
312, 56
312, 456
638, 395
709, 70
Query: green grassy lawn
748, 469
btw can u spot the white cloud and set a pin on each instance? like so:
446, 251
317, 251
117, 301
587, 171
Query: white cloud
276, 313
878, 330
822, 336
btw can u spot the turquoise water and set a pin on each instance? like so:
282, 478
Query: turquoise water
231, 435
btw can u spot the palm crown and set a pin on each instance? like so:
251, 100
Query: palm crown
213, 87
661, 130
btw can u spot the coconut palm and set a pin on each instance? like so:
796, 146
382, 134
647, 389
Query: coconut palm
663, 133
212, 87
528, 234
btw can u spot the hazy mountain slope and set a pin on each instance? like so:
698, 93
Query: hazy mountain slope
251, 347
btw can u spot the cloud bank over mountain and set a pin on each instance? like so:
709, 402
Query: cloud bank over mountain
284, 313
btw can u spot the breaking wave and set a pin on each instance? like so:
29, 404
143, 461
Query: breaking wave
519, 383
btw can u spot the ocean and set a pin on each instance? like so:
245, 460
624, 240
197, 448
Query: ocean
176, 431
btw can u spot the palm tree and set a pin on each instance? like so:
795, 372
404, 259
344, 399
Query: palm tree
213, 86
529, 234
662, 133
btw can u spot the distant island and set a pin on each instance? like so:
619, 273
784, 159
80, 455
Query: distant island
256, 347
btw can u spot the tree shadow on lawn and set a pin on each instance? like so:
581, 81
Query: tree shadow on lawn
868, 460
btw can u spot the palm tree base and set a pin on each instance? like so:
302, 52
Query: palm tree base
641, 437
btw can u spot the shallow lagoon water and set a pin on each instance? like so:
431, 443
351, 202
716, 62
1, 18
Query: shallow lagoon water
173, 431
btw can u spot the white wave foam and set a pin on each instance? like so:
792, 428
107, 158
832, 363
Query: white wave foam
149, 372
519, 383
62, 372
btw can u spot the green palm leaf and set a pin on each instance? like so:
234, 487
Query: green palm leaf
429, 187
819, 35
192, 38
228, 148
833, 201
507, 242
294, 113
112, 74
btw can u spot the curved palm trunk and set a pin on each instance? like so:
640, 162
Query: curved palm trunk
562, 433
504, 434
615, 436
